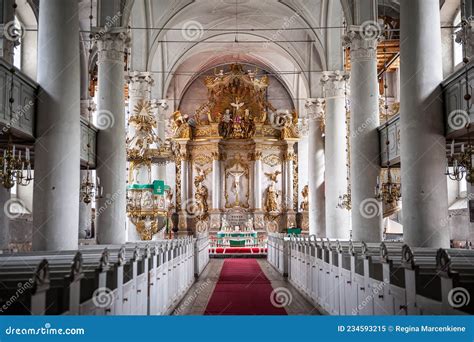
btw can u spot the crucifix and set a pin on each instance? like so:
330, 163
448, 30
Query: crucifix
236, 185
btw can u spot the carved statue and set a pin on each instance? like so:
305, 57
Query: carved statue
305, 203
271, 200
180, 126
272, 176
201, 196
201, 193
290, 126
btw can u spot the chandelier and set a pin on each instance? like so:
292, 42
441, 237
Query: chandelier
463, 163
90, 189
388, 192
15, 168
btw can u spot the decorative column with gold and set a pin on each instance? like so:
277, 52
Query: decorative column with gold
215, 213
183, 202
289, 189
317, 224
160, 108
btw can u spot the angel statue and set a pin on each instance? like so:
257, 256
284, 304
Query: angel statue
273, 176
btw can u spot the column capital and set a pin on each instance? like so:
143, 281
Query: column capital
315, 108
139, 85
140, 77
363, 40
111, 46
334, 83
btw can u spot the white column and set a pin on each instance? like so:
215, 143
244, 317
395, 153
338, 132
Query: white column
160, 107
111, 149
317, 224
216, 182
5, 205
337, 219
423, 146
258, 182
365, 150
289, 181
57, 148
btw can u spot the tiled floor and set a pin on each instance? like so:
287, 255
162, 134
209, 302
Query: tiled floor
195, 301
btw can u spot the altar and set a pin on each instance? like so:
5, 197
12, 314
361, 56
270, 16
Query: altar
236, 162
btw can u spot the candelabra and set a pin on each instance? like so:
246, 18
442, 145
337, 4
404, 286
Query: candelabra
14, 168
89, 189
345, 201
388, 192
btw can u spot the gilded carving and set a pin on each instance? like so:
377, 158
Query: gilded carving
271, 160
304, 206
180, 126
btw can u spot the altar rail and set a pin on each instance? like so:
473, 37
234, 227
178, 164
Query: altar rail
134, 279
357, 278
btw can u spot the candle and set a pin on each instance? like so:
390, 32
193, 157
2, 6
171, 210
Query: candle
19, 154
27, 154
462, 148
452, 148
13, 151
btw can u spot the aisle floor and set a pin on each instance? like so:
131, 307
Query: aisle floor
284, 294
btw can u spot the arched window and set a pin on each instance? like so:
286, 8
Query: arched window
17, 51
457, 47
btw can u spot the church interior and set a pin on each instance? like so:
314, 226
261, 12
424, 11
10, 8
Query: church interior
236, 157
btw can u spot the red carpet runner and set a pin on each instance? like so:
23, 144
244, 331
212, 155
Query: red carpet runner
242, 289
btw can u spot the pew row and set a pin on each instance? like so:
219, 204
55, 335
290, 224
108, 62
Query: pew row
144, 278
389, 278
